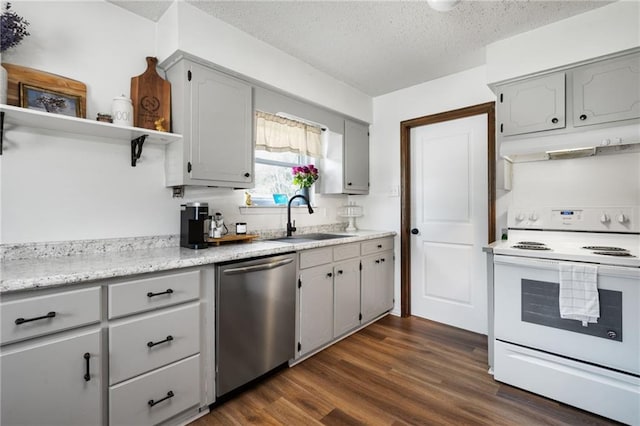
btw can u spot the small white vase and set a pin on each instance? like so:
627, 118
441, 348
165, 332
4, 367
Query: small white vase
3, 85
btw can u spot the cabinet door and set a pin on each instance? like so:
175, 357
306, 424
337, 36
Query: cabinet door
45, 384
221, 143
376, 285
356, 158
533, 105
607, 91
316, 307
346, 287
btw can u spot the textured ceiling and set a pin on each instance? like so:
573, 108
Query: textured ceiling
382, 46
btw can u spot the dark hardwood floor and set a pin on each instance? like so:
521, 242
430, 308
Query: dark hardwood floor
397, 371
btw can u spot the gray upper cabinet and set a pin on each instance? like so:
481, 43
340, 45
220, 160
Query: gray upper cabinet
356, 158
214, 112
607, 91
532, 105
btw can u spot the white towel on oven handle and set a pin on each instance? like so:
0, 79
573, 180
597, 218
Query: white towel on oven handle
579, 292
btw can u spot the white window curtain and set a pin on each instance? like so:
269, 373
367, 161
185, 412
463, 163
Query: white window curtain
279, 134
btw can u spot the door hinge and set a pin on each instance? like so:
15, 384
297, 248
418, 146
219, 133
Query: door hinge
501, 99
299, 283
299, 347
360, 316
189, 75
501, 127
189, 167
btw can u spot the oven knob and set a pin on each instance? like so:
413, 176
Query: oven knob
622, 218
605, 218
533, 216
612, 334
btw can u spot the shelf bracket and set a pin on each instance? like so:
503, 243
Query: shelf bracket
1, 130
136, 149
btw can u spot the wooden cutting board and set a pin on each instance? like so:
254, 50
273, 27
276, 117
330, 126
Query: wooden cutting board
151, 97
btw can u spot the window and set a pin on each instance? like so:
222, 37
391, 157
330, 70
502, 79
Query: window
281, 144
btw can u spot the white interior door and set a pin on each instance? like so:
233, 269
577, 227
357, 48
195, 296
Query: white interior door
449, 211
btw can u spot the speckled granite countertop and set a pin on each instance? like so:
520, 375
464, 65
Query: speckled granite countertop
28, 274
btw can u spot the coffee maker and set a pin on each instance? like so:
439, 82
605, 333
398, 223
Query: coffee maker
192, 226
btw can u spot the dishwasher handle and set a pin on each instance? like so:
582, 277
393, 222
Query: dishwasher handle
259, 267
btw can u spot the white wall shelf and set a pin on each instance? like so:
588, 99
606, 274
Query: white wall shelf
13, 117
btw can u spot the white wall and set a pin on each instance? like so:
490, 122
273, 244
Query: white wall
216, 41
608, 29
60, 187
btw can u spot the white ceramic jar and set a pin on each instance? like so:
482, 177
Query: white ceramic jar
122, 111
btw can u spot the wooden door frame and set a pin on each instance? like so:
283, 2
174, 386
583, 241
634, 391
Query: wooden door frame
405, 183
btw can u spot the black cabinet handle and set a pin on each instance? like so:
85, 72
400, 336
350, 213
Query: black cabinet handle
23, 320
168, 339
382, 260
349, 183
151, 402
340, 271
379, 245
169, 291
377, 261
87, 375
329, 275
583, 117
247, 174
554, 120
415, 231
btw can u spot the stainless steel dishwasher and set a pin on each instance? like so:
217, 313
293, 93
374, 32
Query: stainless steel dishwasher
255, 318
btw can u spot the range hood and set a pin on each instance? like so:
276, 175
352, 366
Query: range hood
611, 140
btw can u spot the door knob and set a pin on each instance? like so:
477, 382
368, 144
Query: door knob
415, 231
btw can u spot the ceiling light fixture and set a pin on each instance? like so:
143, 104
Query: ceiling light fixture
443, 5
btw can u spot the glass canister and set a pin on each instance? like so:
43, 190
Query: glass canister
122, 111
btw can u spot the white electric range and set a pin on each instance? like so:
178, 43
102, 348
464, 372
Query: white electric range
593, 366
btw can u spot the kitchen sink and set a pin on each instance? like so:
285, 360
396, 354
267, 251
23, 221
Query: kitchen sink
308, 237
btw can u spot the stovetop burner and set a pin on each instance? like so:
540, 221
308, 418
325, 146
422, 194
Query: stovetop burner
530, 246
623, 253
604, 248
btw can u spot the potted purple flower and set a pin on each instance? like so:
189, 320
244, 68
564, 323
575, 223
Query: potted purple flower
13, 28
304, 177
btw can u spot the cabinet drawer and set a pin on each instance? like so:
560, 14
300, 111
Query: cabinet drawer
315, 257
40, 315
140, 345
377, 246
346, 251
130, 403
151, 293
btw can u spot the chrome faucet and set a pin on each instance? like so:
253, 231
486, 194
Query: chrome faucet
292, 228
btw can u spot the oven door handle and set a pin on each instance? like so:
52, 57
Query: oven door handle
549, 264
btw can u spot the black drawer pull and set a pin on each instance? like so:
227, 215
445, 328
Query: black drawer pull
151, 402
377, 261
382, 260
169, 291
168, 339
340, 271
554, 120
87, 375
329, 275
583, 117
379, 245
22, 320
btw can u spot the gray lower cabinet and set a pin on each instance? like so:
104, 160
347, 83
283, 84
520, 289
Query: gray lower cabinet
342, 287
346, 285
53, 381
316, 307
532, 105
376, 285
214, 113
607, 91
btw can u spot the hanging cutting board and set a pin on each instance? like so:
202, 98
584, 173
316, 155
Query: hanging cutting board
151, 97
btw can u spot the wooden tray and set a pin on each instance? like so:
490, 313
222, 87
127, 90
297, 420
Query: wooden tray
244, 238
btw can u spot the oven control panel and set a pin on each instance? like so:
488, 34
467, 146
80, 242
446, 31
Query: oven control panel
603, 219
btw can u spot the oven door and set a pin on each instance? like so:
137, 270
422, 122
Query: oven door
527, 313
